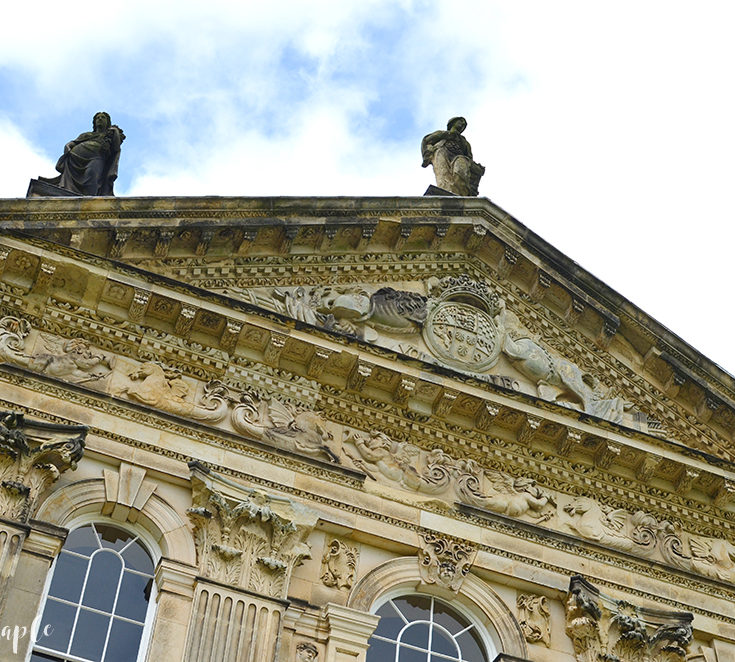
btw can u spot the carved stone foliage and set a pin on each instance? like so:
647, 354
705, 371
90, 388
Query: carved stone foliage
245, 537
445, 561
338, 565
460, 322
646, 536
436, 473
603, 629
32, 456
534, 618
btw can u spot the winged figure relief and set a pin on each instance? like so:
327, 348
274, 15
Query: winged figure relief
302, 431
513, 496
72, 359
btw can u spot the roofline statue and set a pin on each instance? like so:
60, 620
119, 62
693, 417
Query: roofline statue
89, 163
450, 154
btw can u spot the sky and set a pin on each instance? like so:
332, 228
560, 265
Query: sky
606, 128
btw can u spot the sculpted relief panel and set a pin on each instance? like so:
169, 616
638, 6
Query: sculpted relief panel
405, 472
456, 322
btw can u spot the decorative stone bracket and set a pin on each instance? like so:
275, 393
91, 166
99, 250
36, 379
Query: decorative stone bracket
247, 538
32, 456
606, 630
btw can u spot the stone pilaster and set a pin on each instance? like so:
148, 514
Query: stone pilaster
349, 631
26, 554
248, 543
175, 592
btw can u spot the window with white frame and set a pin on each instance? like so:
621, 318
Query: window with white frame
422, 628
98, 598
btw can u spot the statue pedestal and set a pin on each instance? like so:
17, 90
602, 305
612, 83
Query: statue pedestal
37, 188
435, 190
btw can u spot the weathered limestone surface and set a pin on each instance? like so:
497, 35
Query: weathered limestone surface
302, 405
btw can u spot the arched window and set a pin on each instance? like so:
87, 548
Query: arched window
423, 628
98, 599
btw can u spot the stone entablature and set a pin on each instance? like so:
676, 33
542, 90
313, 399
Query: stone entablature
445, 407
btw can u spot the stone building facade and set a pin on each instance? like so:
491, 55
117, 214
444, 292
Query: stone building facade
339, 430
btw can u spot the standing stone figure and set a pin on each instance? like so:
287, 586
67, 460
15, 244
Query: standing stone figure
88, 165
450, 154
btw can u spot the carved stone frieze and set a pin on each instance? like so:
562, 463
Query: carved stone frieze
246, 537
602, 628
445, 561
339, 564
534, 618
73, 360
646, 536
460, 322
436, 473
32, 456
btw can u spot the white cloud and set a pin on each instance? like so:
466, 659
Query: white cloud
20, 161
605, 128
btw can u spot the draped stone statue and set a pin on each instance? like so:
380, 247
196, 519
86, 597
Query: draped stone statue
88, 165
451, 156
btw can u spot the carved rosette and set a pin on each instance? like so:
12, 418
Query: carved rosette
338, 565
32, 456
445, 561
245, 537
602, 628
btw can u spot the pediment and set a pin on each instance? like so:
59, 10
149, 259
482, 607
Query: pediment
432, 305
438, 371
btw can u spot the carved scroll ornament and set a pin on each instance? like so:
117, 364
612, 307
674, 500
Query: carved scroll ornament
246, 537
646, 536
338, 565
534, 618
445, 561
602, 628
32, 456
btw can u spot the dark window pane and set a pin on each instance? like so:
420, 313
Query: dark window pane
442, 642
112, 537
61, 619
124, 641
381, 651
450, 619
473, 650
416, 634
89, 637
133, 599
104, 573
68, 577
82, 541
137, 558
410, 655
390, 623
414, 607
42, 657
